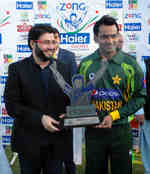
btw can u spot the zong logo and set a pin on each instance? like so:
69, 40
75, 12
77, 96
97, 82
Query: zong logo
72, 6
73, 17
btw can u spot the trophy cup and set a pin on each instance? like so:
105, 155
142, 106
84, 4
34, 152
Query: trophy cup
80, 113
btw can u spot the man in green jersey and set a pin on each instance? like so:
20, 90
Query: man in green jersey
116, 95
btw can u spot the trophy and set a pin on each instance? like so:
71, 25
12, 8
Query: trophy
81, 112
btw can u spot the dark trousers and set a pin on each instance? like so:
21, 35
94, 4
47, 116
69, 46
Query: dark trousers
43, 163
70, 167
104, 144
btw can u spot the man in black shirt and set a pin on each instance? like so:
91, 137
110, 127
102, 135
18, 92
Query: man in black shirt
35, 100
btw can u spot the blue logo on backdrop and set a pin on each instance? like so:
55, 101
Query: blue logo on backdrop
23, 49
23, 5
6, 139
2, 99
77, 38
132, 27
0, 38
145, 57
149, 39
113, 4
3, 79
7, 120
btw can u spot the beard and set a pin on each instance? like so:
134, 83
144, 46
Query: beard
108, 49
40, 55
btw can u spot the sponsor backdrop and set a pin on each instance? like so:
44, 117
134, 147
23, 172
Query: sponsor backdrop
74, 19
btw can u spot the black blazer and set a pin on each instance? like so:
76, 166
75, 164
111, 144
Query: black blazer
26, 102
147, 104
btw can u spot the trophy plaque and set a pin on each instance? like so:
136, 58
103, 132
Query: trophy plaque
80, 116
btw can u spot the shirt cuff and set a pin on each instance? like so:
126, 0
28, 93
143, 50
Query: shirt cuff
115, 115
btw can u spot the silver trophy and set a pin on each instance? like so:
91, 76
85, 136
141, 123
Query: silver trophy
81, 112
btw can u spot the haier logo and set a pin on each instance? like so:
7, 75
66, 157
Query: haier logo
132, 27
113, 4
78, 38
23, 5
23, 49
149, 39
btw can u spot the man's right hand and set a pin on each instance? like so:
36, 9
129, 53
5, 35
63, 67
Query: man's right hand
49, 123
106, 123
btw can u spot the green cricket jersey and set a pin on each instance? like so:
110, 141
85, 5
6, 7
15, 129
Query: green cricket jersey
121, 87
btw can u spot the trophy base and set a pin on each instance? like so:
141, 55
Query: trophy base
80, 116
79, 121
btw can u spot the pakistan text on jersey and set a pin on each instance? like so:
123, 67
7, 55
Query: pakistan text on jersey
107, 105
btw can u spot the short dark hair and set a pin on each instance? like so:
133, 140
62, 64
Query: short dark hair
56, 31
105, 20
37, 30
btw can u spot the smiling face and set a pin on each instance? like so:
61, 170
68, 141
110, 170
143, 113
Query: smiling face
107, 39
45, 47
47, 43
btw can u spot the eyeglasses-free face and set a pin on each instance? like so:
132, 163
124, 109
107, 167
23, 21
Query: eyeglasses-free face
107, 39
